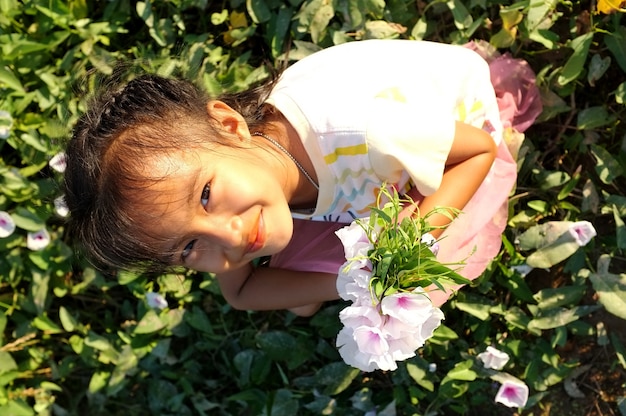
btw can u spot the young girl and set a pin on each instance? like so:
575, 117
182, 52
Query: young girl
159, 174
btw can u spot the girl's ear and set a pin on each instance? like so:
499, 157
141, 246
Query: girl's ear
228, 119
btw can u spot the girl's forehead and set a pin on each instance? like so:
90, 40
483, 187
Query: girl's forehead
172, 164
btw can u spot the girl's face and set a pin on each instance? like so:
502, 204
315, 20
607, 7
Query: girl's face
216, 210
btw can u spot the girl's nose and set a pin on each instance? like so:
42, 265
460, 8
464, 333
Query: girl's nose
226, 231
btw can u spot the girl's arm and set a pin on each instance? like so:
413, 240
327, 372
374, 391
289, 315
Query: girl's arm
267, 288
471, 156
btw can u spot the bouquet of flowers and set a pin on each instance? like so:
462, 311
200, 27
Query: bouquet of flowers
389, 263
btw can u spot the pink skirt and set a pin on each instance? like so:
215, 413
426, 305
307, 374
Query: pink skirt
476, 235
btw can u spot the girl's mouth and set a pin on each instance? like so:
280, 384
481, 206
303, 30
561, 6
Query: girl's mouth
256, 238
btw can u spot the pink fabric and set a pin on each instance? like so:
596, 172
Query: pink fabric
514, 83
476, 235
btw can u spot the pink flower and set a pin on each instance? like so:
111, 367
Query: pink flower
58, 162
7, 225
512, 393
493, 358
583, 232
38, 240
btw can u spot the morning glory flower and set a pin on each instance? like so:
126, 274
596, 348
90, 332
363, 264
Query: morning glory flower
522, 269
493, 358
156, 300
38, 240
60, 207
7, 225
431, 242
583, 232
6, 122
58, 162
512, 393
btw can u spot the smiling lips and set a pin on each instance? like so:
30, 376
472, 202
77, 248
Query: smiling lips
256, 238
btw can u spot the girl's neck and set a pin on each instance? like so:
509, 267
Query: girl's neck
303, 194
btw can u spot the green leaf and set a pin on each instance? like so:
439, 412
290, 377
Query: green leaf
574, 65
10, 80
149, 323
594, 117
98, 381
7, 363
560, 317
597, 68
258, 11
17, 407
611, 288
607, 167
278, 345
620, 93
335, 377
616, 42
620, 229
462, 17
553, 298
27, 220
68, 322
419, 375
479, 310
44, 323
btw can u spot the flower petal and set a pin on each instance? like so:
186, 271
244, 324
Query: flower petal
583, 232
60, 207
7, 225
156, 300
58, 162
6, 122
493, 358
512, 394
38, 240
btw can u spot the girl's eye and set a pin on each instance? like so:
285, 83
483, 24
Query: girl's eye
206, 192
187, 250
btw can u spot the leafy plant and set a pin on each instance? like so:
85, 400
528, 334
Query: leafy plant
76, 341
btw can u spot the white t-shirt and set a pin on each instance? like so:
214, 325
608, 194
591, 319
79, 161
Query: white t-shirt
379, 111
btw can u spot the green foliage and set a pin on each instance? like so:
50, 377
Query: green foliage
74, 341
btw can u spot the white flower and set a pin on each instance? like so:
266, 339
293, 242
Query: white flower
7, 225
156, 300
583, 232
377, 336
60, 207
432, 367
411, 313
494, 358
512, 393
522, 269
355, 242
353, 284
38, 240
431, 242
361, 341
6, 122
58, 162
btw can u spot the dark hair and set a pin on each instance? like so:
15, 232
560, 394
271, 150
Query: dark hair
124, 127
